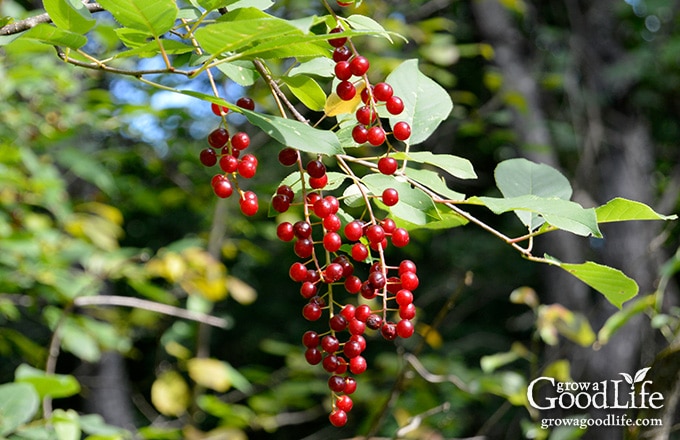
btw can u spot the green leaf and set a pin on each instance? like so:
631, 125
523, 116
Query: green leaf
563, 214
308, 91
616, 286
426, 103
52, 385
152, 48
71, 15
433, 181
48, 34
455, 165
362, 22
519, 177
620, 318
241, 72
154, 17
620, 209
214, 4
296, 134
18, 404
66, 424
321, 66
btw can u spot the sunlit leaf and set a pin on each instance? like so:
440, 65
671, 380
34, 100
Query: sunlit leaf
52, 385
455, 165
154, 17
308, 91
71, 15
620, 209
616, 286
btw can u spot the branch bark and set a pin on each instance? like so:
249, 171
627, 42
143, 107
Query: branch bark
28, 23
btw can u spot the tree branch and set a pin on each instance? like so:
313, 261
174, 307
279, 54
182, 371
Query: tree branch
165, 309
28, 23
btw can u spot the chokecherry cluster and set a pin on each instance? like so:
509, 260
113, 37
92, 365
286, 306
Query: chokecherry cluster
225, 150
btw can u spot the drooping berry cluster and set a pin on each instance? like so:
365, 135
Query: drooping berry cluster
226, 151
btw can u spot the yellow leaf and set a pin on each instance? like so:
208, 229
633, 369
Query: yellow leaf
432, 336
170, 394
210, 373
336, 106
241, 291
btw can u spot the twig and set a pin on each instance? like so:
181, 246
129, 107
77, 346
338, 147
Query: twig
434, 378
28, 23
165, 309
278, 94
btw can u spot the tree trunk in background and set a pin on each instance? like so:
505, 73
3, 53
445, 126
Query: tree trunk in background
617, 159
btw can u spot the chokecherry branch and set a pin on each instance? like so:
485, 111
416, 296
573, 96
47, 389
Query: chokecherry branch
30, 22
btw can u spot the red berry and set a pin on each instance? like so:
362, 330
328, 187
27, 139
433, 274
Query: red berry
376, 280
223, 188
286, 190
228, 163
311, 311
208, 157
346, 90
249, 204
404, 297
246, 103
318, 182
341, 53
350, 385
387, 165
302, 229
310, 339
407, 311
342, 71
357, 365
348, 311
330, 363
338, 417
352, 349
366, 94
316, 168
375, 233
336, 383
362, 312
330, 344
344, 403
366, 115
390, 196
288, 156
405, 329
281, 203
247, 169
388, 225
218, 138
356, 327
337, 42
298, 272
400, 237
409, 281
219, 110
382, 91
333, 272
395, 105
303, 248
407, 266
401, 131
373, 321
338, 323
360, 134
353, 284
332, 223
285, 231
354, 230
332, 242
359, 252
389, 331
240, 141
359, 65
322, 208
313, 357
249, 158
308, 289
376, 136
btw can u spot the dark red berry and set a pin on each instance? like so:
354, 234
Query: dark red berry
360, 134
310, 339
374, 321
389, 331
218, 138
337, 42
330, 344
298, 272
346, 90
336, 383
302, 229
353, 284
208, 157
316, 168
246, 103
311, 312
352, 349
313, 356
285, 231
342, 53
333, 271
288, 156
337, 323
303, 248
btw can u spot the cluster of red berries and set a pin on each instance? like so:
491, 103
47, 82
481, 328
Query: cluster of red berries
226, 151
369, 127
